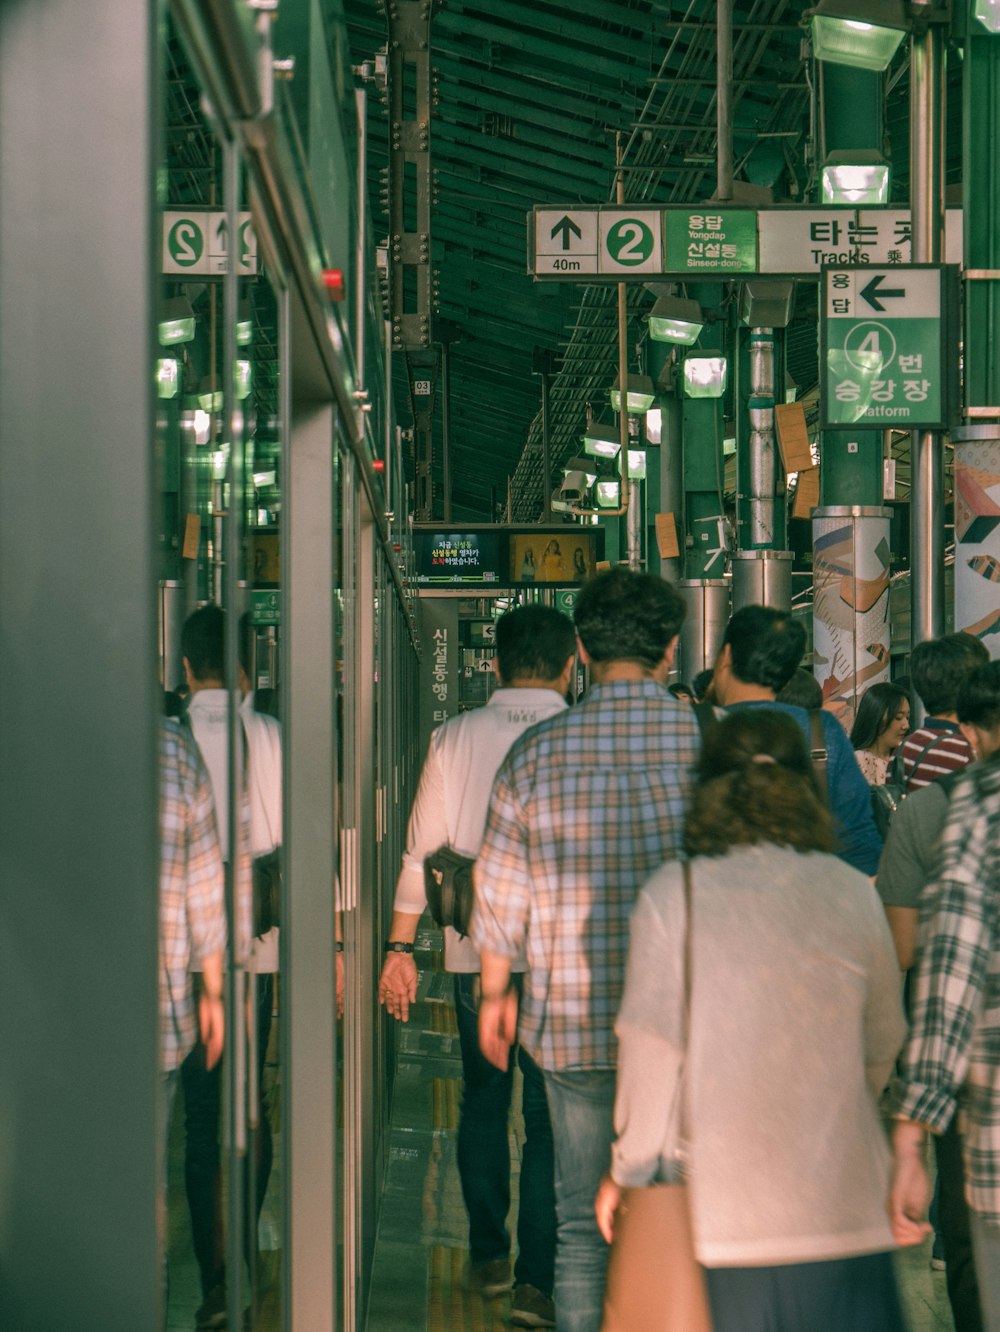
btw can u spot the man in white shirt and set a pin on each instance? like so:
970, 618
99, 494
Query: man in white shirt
533, 665
203, 648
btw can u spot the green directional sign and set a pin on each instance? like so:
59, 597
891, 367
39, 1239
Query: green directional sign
711, 240
630, 242
886, 347
266, 607
566, 600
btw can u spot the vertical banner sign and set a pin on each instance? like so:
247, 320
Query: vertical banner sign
851, 604
439, 665
977, 540
883, 335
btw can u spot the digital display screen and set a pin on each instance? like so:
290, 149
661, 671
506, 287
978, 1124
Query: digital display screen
448, 557
564, 558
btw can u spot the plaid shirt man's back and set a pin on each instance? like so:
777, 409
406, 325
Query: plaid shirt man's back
585, 807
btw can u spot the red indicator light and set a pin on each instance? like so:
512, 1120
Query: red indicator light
333, 280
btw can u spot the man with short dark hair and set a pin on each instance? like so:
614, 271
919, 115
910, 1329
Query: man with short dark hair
535, 651
939, 667
584, 808
761, 651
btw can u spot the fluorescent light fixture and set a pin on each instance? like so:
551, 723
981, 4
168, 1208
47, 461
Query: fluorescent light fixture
705, 376
583, 465
177, 323
601, 441
168, 377
858, 177
654, 426
637, 464
608, 494
865, 34
199, 423
988, 14
767, 304
261, 479
242, 379
263, 517
244, 325
674, 319
640, 394
729, 445
210, 396
220, 457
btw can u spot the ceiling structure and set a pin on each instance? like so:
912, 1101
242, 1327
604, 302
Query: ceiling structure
533, 100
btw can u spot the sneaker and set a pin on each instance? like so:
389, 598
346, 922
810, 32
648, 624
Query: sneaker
213, 1312
532, 1308
490, 1278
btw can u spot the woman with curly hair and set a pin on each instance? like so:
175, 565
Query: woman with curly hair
881, 725
792, 1028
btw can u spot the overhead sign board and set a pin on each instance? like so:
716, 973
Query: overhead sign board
884, 335
713, 241
197, 241
597, 242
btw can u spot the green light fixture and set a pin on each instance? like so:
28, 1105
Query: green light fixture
168, 377
637, 464
242, 379
858, 176
864, 34
210, 396
988, 14
601, 441
244, 325
640, 394
177, 322
607, 493
674, 319
705, 376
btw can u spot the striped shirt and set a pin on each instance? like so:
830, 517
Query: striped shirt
949, 751
585, 807
192, 890
953, 1054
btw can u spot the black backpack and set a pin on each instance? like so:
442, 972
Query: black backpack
888, 797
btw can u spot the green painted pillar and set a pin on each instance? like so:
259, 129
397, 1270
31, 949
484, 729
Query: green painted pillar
981, 173
852, 102
703, 462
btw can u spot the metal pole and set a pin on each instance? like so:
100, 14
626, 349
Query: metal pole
446, 428
546, 451
625, 487
927, 452
361, 253
724, 97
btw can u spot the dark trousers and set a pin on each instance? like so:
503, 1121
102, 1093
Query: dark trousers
202, 1157
953, 1220
842, 1295
484, 1154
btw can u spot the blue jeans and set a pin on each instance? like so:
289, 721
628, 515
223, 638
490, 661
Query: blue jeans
581, 1105
484, 1154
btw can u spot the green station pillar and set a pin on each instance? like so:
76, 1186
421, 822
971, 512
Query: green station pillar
852, 118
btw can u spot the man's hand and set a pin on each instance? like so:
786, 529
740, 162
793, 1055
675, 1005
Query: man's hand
606, 1204
910, 1191
212, 1024
397, 987
498, 1027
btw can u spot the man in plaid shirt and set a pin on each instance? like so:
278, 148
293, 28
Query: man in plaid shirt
951, 1063
585, 807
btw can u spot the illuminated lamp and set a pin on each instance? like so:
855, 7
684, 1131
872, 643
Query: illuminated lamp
988, 14
705, 376
601, 441
167, 377
640, 394
177, 322
855, 176
674, 319
864, 34
608, 494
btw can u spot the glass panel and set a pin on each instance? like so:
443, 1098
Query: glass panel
218, 444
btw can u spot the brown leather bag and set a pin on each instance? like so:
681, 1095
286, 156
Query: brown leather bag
655, 1282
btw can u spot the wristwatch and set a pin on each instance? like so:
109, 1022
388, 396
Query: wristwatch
397, 946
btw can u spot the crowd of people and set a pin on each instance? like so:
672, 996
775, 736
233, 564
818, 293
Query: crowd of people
677, 937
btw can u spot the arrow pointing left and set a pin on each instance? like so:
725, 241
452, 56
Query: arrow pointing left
566, 225
874, 293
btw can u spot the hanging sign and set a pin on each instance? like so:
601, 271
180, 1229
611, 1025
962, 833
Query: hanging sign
197, 241
883, 335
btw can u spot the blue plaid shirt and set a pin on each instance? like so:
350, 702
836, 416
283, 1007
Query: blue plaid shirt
953, 1054
584, 808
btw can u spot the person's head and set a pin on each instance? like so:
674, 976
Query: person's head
534, 644
940, 666
761, 648
624, 616
702, 683
203, 647
978, 709
755, 783
681, 691
553, 548
803, 690
883, 718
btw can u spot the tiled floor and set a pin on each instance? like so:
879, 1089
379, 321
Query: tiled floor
420, 1257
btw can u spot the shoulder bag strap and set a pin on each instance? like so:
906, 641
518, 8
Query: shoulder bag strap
704, 713
931, 744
